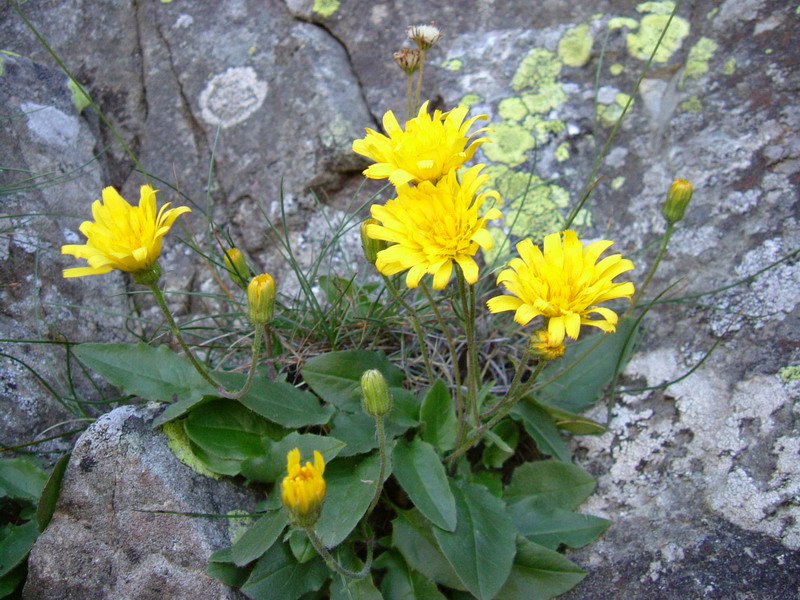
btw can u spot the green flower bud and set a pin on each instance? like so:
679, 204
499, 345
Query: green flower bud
148, 276
678, 197
237, 266
377, 400
261, 299
371, 246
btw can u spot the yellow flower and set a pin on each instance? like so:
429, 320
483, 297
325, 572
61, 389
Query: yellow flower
122, 236
563, 284
542, 347
429, 148
261, 299
303, 488
431, 226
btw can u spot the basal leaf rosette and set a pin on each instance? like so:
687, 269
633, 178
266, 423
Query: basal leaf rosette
431, 226
564, 284
430, 146
122, 236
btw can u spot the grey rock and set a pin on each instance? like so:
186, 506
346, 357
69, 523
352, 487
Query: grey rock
103, 542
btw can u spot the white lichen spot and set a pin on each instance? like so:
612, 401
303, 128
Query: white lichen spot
617, 183
231, 97
51, 125
183, 21
453, 64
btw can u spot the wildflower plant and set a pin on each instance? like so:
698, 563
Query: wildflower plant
410, 491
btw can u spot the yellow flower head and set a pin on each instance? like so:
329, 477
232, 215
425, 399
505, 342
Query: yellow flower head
542, 347
303, 488
122, 236
430, 226
563, 284
429, 148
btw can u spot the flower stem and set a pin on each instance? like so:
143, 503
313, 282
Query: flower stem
382, 471
332, 563
410, 96
419, 80
268, 350
468, 307
654, 268
414, 323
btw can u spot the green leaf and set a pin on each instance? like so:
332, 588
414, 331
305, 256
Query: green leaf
271, 465
223, 466
420, 472
502, 439
278, 576
336, 376
259, 538
49, 497
278, 401
571, 422
481, 549
227, 429
412, 535
401, 583
350, 487
16, 545
539, 574
302, 548
491, 480
228, 573
154, 373
359, 589
551, 527
11, 580
438, 417
21, 478
542, 428
357, 431
550, 484
581, 385
180, 408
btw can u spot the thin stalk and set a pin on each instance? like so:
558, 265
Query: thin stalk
410, 96
514, 382
382, 471
419, 81
654, 268
468, 307
332, 563
268, 350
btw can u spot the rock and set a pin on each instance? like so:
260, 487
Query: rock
102, 543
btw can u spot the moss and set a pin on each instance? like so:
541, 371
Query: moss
562, 152
791, 373
79, 99
615, 69
512, 109
469, 99
539, 68
641, 44
511, 144
617, 183
325, 7
620, 22
575, 46
453, 64
692, 105
178, 442
699, 55
730, 66
656, 8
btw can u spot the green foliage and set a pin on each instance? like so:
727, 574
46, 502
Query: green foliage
542, 428
539, 574
438, 417
278, 576
420, 473
259, 538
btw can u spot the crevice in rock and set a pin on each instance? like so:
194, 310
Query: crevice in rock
137, 18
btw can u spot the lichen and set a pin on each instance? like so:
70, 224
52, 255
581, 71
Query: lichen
454, 64
609, 114
549, 96
699, 55
538, 69
562, 152
712, 13
325, 7
542, 129
469, 99
178, 442
657, 8
511, 144
615, 69
641, 44
79, 99
730, 66
238, 527
512, 109
790, 373
617, 183
620, 22
692, 105
575, 46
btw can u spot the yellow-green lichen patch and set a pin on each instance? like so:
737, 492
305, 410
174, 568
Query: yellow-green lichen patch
178, 442
251, 50
617, 183
511, 144
325, 8
712, 13
790, 373
692, 105
469, 99
2, 66
575, 46
79, 99
609, 114
512, 109
238, 527
620, 22
615, 69
642, 43
562, 152
769, 51
730, 66
699, 55
538, 69
542, 129
548, 97
657, 8
453, 64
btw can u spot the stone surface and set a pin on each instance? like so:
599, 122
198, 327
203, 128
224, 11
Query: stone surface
700, 479
103, 543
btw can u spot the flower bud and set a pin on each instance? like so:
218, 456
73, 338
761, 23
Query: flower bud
377, 400
542, 347
237, 266
424, 36
303, 488
407, 59
261, 299
678, 197
371, 247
